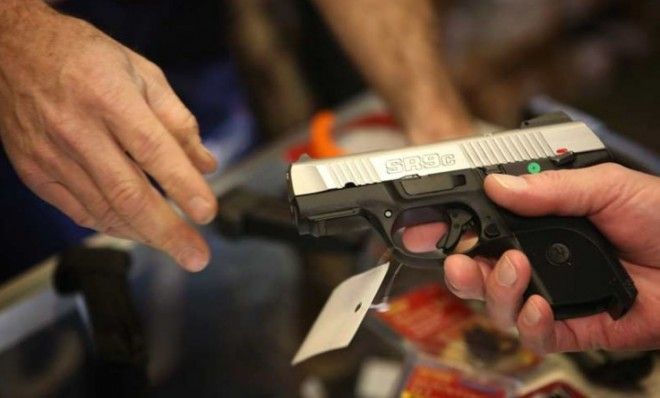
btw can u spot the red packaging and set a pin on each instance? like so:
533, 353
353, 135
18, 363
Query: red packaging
431, 382
438, 323
429, 317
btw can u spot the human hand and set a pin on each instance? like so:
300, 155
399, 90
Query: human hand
84, 121
445, 121
623, 204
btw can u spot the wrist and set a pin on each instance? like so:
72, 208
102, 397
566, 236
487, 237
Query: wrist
15, 14
432, 111
437, 120
27, 32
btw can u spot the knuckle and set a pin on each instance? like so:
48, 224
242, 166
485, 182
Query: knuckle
189, 137
185, 128
613, 170
154, 71
128, 199
147, 147
84, 220
108, 218
104, 90
190, 126
29, 173
47, 158
90, 79
174, 182
169, 239
58, 123
63, 129
85, 69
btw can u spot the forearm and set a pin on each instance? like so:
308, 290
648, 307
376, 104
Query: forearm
395, 45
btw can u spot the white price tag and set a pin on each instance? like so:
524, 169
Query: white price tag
342, 314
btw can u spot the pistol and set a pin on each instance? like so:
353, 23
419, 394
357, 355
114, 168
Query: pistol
574, 267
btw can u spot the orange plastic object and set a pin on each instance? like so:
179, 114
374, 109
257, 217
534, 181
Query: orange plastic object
321, 141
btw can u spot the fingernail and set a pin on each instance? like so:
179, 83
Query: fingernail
531, 314
201, 210
510, 182
192, 259
505, 272
451, 286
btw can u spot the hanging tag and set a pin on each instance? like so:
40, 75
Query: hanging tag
342, 314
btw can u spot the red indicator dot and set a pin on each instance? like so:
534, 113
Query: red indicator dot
561, 150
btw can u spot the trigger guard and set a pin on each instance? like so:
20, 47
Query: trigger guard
430, 259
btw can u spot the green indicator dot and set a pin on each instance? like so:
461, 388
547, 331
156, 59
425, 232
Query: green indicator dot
533, 168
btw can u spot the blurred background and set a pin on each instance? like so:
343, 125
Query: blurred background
599, 56
255, 72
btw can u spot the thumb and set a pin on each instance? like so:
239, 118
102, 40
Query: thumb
578, 192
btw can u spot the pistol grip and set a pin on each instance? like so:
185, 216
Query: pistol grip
573, 266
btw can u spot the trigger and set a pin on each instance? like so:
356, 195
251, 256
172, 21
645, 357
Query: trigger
459, 221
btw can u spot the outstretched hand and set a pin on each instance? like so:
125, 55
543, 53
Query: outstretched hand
84, 121
623, 204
